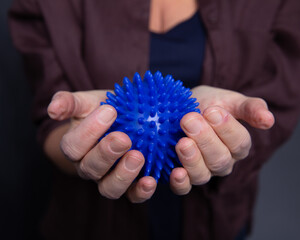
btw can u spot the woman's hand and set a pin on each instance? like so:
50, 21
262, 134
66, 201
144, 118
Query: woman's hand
216, 140
92, 159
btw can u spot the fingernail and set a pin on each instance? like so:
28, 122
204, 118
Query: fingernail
106, 115
132, 163
118, 146
193, 125
188, 151
264, 119
180, 179
214, 117
55, 109
147, 188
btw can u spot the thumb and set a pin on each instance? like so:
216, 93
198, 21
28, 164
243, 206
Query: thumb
255, 112
65, 105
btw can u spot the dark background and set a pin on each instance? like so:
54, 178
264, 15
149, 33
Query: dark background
25, 175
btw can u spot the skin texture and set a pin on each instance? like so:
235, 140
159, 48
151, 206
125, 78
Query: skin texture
215, 141
166, 14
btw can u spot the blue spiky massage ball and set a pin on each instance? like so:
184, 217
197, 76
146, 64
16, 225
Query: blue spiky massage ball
149, 112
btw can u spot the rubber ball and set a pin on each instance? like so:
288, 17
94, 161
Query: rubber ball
149, 112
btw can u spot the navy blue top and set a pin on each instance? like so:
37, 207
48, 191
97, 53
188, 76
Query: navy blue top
179, 52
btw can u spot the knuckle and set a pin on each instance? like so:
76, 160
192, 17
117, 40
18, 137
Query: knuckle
92, 131
182, 190
227, 172
222, 166
137, 198
82, 175
227, 130
106, 192
132, 199
83, 168
202, 179
121, 178
88, 171
206, 129
241, 150
206, 141
69, 150
190, 164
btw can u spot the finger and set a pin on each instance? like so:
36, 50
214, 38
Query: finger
116, 183
180, 181
78, 141
192, 160
65, 105
216, 155
97, 162
142, 190
255, 112
232, 133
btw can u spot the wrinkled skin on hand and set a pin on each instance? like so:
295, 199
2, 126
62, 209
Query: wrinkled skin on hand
215, 141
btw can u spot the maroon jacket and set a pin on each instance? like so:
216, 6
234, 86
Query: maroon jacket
253, 47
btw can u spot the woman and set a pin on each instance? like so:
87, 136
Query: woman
251, 48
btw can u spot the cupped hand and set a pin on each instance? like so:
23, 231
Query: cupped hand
92, 159
216, 140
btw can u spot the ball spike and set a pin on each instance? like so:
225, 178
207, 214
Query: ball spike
161, 143
152, 112
162, 119
152, 101
119, 91
110, 102
158, 78
151, 147
152, 124
141, 120
128, 85
129, 96
140, 109
149, 78
162, 132
111, 96
149, 112
152, 135
130, 107
120, 101
170, 163
140, 132
140, 144
137, 79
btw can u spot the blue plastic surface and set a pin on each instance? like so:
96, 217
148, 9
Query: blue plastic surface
149, 112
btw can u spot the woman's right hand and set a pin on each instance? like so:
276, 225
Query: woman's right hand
92, 159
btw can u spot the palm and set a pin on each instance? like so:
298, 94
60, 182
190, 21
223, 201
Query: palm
252, 110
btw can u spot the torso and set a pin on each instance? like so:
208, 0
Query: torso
166, 14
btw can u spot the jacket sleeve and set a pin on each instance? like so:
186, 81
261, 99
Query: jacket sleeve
45, 75
279, 84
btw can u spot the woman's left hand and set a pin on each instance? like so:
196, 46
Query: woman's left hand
216, 140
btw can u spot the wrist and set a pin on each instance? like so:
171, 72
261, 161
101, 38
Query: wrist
53, 152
